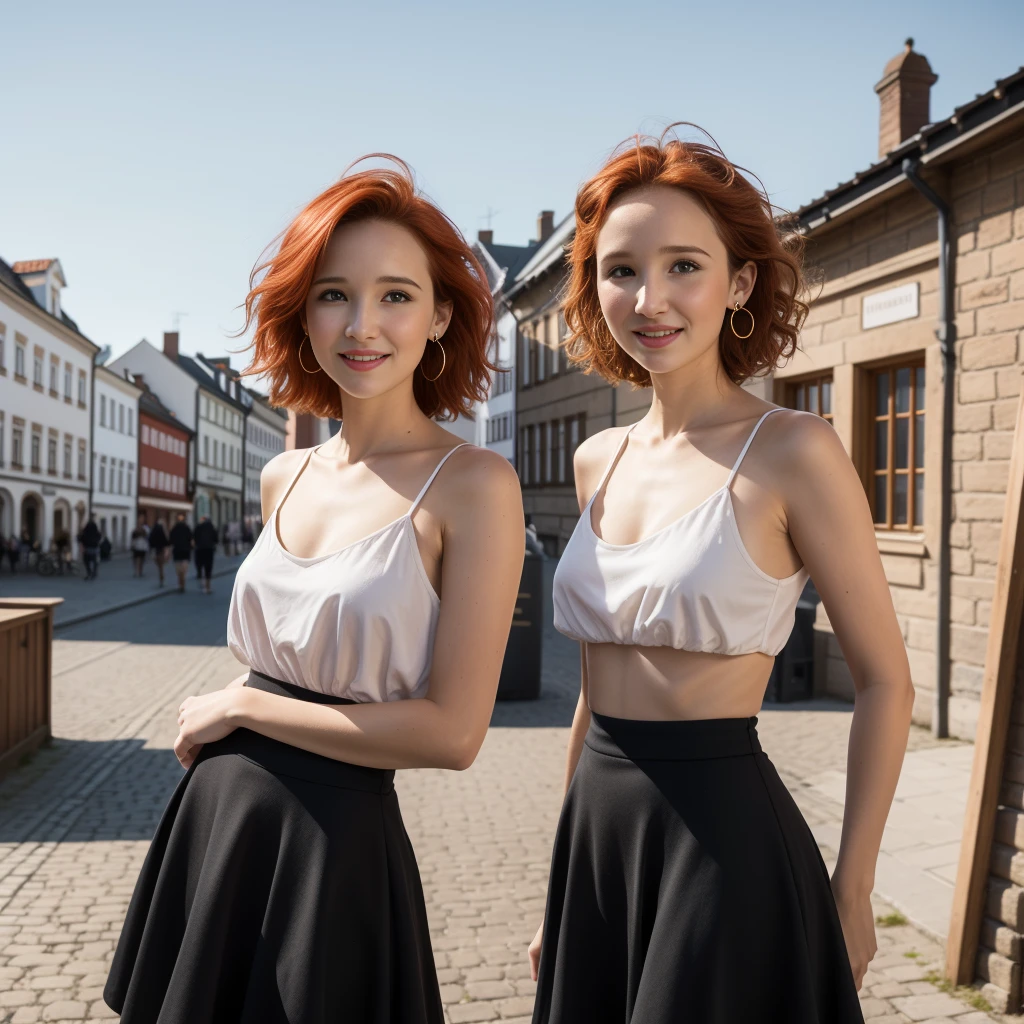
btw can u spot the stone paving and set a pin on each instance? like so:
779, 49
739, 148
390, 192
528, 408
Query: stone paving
76, 820
114, 588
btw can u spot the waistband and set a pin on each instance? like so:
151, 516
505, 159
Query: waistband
694, 740
283, 759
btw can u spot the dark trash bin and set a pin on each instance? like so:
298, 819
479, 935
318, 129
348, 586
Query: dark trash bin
520, 669
792, 675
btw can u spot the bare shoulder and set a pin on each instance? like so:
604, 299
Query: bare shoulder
802, 452
592, 457
474, 475
275, 475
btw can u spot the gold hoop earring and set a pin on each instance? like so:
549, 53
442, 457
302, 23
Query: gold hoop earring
305, 338
444, 360
732, 321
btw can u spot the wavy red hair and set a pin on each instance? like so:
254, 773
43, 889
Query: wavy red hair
278, 287
747, 226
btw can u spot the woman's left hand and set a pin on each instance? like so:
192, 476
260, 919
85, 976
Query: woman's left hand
205, 719
858, 921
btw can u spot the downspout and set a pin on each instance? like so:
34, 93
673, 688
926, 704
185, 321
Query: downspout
946, 333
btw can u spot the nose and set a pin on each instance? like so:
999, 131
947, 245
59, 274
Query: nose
363, 324
650, 299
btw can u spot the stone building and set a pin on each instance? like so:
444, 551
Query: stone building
46, 381
266, 429
115, 455
895, 298
557, 406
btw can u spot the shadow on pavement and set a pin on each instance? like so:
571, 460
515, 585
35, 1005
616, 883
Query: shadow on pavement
126, 805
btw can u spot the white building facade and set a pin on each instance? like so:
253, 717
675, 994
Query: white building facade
46, 373
115, 456
266, 435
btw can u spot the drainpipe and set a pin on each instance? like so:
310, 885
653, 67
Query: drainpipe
946, 333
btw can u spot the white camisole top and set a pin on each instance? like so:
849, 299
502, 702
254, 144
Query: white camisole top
691, 585
357, 623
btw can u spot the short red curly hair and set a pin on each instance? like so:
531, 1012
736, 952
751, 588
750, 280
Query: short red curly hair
747, 226
279, 286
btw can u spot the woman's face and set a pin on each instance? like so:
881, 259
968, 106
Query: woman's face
663, 278
371, 309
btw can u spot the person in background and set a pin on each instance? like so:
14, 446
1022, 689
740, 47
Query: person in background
181, 548
12, 551
90, 538
158, 544
140, 546
62, 542
533, 542
206, 547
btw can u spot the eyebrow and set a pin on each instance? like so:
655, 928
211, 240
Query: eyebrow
620, 253
380, 280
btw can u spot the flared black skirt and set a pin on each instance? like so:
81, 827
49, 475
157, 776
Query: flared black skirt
280, 887
686, 888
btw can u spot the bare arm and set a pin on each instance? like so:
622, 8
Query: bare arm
480, 573
830, 525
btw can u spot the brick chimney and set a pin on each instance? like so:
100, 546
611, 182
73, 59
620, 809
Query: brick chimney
904, 93
486, 236
171, 345
545, 225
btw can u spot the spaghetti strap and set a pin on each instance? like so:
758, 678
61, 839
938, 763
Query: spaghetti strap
611, 463
294, 479
736, 466
430, 479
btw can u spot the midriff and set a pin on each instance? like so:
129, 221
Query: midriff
665, 684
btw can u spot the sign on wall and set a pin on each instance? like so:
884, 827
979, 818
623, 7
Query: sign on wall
890, 306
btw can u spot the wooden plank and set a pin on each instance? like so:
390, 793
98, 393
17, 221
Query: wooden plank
997, 696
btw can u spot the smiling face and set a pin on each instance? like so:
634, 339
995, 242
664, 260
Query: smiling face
664, 280
371, 309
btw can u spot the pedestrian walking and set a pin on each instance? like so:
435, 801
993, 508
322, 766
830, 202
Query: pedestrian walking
685, 884
159, 542
281, 884
139, 546
90, 539
181, 549
206, 547
13, 552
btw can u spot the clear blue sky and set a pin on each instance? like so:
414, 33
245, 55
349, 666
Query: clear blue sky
157, 151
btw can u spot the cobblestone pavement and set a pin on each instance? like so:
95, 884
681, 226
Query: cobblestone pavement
76, 820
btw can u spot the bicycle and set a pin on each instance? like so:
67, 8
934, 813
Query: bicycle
50, 564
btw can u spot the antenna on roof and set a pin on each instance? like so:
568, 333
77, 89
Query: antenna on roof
176, 318
489, 217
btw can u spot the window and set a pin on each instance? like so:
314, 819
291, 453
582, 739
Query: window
144, 476
131, 469
560, 453
813, 394
81, 388
54, 371
206, 450
120, 417
37, 368
67, 457
577, 427
103, 410
551, 469
17, 448
3, 349
537, 447
37, 445
131, 422
897, 447
19, 360
540, 353
51, 456
67, 382
120, 476
525, 378
145, 434
103, 473
81, 460
563, 354
524, 455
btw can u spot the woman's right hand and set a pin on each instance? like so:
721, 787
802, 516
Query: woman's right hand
534, 951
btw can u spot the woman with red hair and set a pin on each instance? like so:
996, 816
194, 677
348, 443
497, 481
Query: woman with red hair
372, 615
685, 885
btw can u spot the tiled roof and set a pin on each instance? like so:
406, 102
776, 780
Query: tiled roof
31, 266
9, 277
1005, 98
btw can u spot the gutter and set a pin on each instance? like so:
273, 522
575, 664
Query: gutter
946, 333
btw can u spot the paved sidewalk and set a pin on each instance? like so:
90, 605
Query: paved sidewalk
76, 821
114, 588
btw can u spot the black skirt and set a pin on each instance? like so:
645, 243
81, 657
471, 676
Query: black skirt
280, 887
686, 887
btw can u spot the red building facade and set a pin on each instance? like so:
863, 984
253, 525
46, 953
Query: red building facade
165, 485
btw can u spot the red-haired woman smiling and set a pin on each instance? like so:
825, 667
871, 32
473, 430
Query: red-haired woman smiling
372, 613
685, 885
